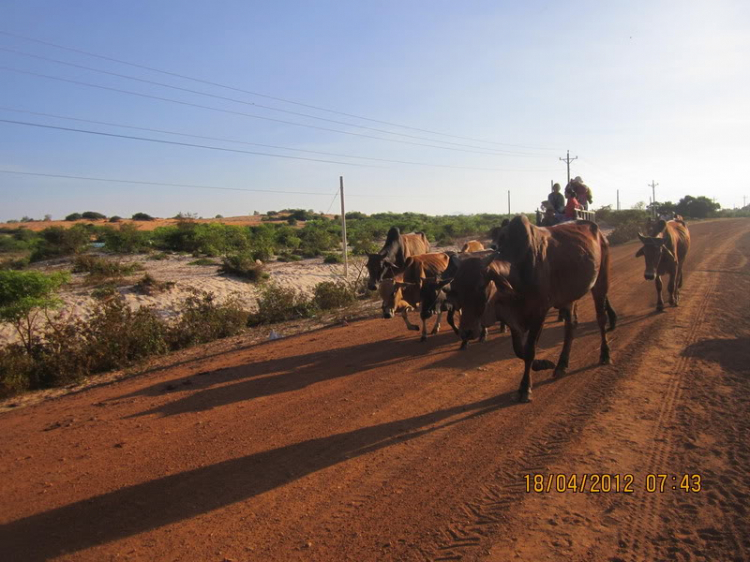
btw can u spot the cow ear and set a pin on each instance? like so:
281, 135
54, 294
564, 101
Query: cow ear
444, 283
642, 238
639, 253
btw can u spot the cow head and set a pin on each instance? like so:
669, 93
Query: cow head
468, 292
430, 296
396, 296
653, 249
377, 267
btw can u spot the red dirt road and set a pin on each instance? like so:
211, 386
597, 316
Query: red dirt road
361, 443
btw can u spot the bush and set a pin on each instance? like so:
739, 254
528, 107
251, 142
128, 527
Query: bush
276, 304
22, 295
126, 240
148, 285
158, 256
102, 267
203, 261
286, 257
105, 291
115, 218
243, 266
331, 294
142, 217
332, 258
57, 241
74, 217
93, 215
625, 232
15, 263
204, 320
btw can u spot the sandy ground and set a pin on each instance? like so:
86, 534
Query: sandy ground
246, 220
78, 302
360, 443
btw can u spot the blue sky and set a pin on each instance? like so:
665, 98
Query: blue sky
640, 91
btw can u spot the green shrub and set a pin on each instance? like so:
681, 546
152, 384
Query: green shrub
115, 218
15, 263
286, 257
102, 267
93, 215
332, 258
243, 266
330, 294
142, 217
277, 303
203, 320
22, 295
203, 261
625, 232
74, 217
126, 240
57, 241
105, 291
158, 256
148, 285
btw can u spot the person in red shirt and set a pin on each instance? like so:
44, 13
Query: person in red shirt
571, 206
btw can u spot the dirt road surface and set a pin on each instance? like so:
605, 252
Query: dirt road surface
361, 443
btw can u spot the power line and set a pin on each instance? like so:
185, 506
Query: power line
161, 141
163, 131
209, 82
140, 182
233, 112
163, 85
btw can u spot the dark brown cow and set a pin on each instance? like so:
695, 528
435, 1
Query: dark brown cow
472, 246
665, 251
391, 259
534, 270
402, 293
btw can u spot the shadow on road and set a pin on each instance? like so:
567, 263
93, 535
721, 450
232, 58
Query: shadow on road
142, 507
733, 354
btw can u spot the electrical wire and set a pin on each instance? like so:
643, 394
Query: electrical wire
212, 83
253, 104
140, 182
163, 131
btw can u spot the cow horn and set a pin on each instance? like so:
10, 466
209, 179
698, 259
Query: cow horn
642, 238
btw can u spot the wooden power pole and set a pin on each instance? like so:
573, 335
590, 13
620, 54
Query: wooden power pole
343, 227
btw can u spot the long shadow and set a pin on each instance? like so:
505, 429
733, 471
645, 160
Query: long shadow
284, 374
733, 354
142, 507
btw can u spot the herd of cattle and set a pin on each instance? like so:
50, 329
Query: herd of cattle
528, 271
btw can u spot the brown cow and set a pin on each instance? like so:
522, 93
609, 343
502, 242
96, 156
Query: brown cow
402, 293
534, 270
665, 250
391, 259
472, 246
467, 273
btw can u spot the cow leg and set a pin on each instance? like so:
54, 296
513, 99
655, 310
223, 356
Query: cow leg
436, 327
524, 391
451, 322
516, 338
678, 284
483, 334
659, 300
570, 326
409, 325
424, 330
502, 327
672, 288
604, 312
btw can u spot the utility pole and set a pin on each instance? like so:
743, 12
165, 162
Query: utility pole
618, 199
568, 160
653, 185
343, 227
509, 203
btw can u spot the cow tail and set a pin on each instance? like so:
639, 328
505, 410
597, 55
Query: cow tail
601, 287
